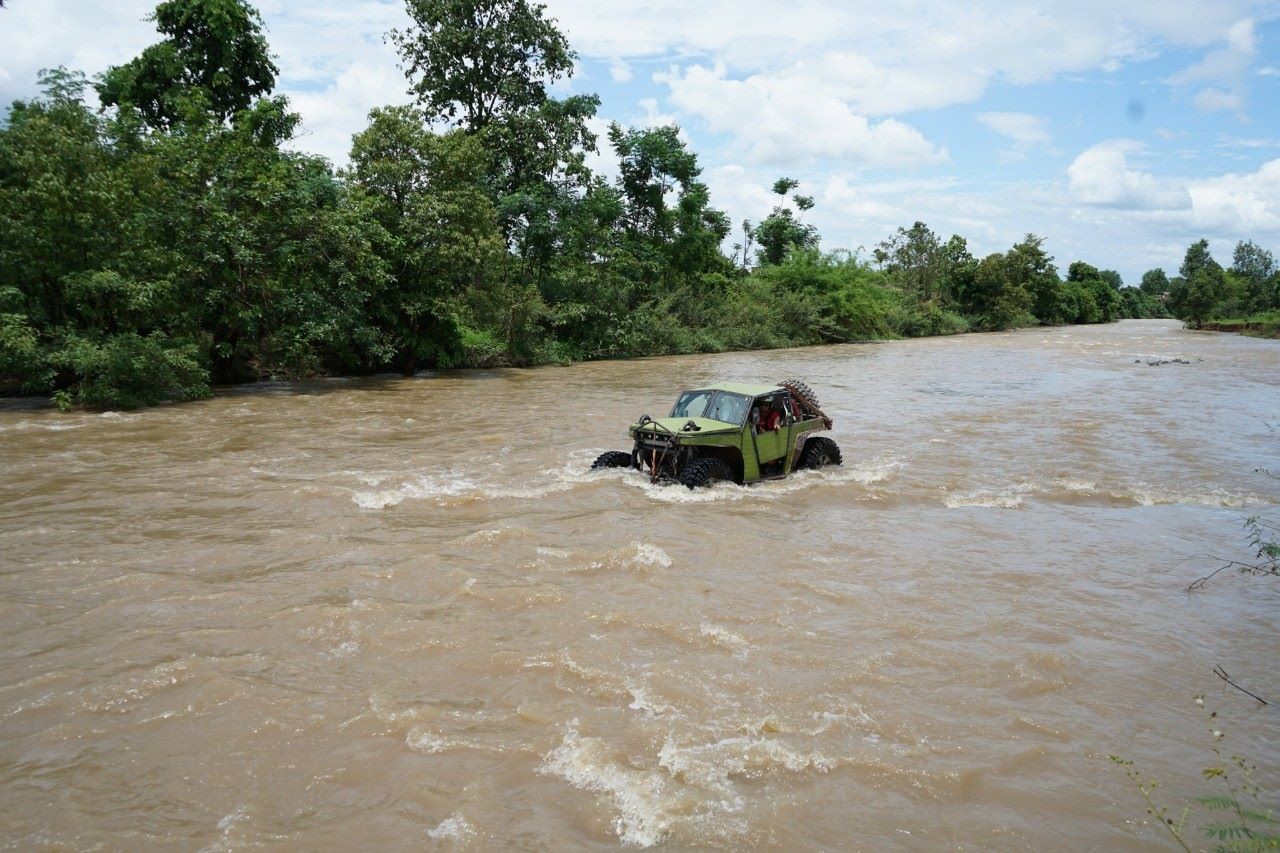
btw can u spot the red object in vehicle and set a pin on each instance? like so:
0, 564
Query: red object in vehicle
771, 420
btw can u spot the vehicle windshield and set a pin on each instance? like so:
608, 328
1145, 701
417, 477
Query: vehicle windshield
717, 405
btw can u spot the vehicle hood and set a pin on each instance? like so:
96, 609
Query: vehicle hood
676, 425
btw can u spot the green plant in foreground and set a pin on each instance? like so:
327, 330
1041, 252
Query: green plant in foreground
1235, 820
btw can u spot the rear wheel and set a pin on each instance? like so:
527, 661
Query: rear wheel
612, 459
702, 472
820, 452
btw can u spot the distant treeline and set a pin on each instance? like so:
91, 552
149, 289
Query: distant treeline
167, 242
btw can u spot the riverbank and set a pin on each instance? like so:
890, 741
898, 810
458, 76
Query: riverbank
66, 403
1257, 326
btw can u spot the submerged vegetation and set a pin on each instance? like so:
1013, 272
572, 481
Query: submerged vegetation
1235, 817
170, 241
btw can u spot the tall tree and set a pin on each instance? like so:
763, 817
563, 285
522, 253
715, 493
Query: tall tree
996, 297
1255, 268
214, 54
1028, 265
669, 240
1201, 285
472, 62
484, 66
914, 259
782, 230
1154, 282
441, 238
1198, 258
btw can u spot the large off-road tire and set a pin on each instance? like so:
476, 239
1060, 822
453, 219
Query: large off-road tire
701, 472
612, 459
820, 452
805, 393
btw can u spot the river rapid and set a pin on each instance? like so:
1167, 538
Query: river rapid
396, 613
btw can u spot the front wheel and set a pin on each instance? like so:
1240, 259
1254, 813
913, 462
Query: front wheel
612, 459
703, 472
819, 453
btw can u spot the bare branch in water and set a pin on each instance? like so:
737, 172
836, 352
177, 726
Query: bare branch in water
1222, 673
1255, 568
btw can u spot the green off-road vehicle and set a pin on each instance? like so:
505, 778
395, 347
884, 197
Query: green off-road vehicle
741, 433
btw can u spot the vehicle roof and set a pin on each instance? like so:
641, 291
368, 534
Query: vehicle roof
741, 388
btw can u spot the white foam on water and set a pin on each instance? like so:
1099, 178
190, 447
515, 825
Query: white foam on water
646, 809
122, 698
650, 555
52, 426
452, 828
1010, 498
1067, 488
429, 742
497, 533
863, 475
240, 815
227, 826
642, 701
388, 715
388, 489
712, 765
725, 638
1156, 496
692, 791
421, 487
637, 555
448, 487
345, 649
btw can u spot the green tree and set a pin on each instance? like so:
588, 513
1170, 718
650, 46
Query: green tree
914, 260
1201, 285
1203, 293
214, 54
1256, 269
1154, 282
1198, 257
440, 235
473, 62
670, 242
782, 230
1030, 267
997, 297
1096, 293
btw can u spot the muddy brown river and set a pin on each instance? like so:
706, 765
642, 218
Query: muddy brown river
399, 613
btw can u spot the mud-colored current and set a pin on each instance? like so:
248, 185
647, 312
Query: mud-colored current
389, 614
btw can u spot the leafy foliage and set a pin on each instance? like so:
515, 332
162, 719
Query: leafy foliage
1238, 821
172, 241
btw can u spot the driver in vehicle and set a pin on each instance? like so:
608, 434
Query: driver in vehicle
772, 417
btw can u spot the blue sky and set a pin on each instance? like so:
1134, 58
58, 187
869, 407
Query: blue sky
1120, 132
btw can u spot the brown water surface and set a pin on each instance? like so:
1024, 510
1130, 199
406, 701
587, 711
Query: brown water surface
387, 614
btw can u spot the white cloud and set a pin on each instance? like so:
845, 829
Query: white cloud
1021, 41
1022, 128
1225, 68
654, 117
620, 71
1225, 65
1212, 100
1101, 176
333, 114
1238, 204
780, 120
